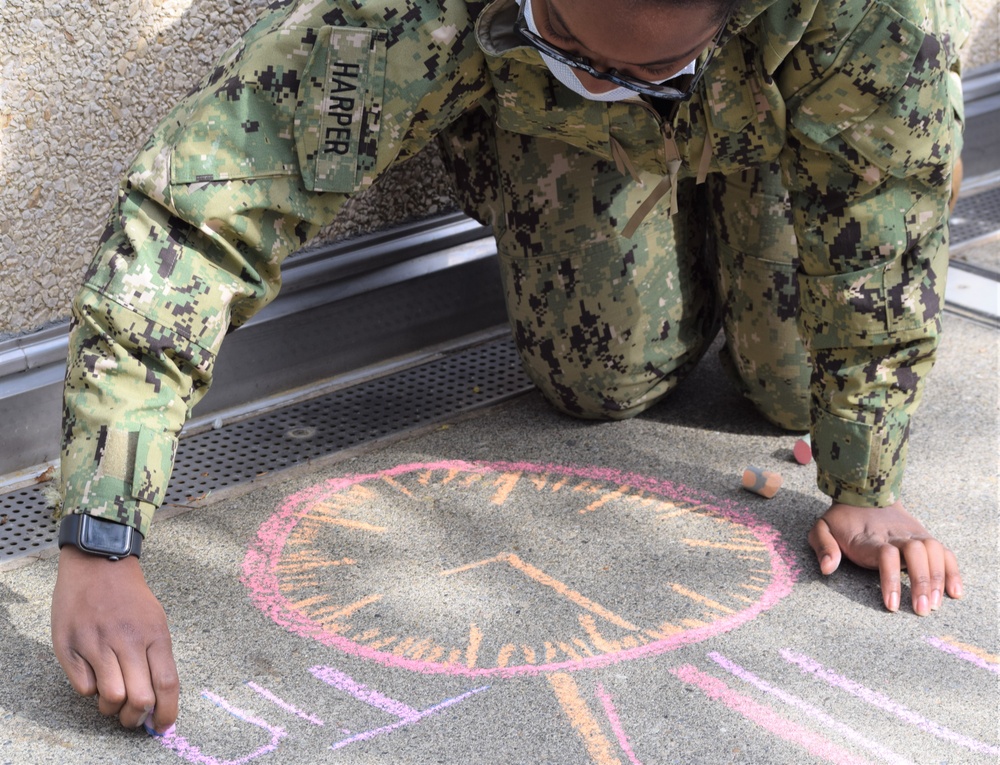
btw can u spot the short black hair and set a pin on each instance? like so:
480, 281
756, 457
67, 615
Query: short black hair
723, 8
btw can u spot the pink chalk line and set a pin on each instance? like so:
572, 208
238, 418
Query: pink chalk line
283, 704
885, 755
264, 556
980, 662
812, 667
188, 751
616, 723
781, 727
407, 715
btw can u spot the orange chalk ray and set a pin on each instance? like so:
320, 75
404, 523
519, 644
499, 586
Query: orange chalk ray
582, 719
472, 649
687, 593
334, 613
724, 545
992, 658
397, 485
347, 523
604, 499
505, 483
506, 651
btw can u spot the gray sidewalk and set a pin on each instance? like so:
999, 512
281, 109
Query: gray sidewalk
518, 587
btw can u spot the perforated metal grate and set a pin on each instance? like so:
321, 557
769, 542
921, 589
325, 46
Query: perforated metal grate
236, 453
26, 524
976, 215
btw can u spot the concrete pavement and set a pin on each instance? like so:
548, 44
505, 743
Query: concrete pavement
518, 587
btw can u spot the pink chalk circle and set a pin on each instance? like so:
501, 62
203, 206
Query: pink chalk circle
375, 565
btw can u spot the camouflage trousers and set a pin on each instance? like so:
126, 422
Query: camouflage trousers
605, 325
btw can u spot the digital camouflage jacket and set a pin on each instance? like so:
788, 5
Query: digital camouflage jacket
858, 100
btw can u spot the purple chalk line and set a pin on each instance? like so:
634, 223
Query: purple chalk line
283, 704
362, 692
810, 666
816, 713
616, 723
941, 645
364, 736
188, 751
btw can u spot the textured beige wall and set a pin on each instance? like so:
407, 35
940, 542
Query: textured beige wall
984, 43
83, 82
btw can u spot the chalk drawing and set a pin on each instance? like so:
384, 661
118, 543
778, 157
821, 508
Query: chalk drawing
188, 751
284, 704
770, 721
968, 653
407, 715
881, 701
338, 563
886, 755
335, 678
567, 692
616, 725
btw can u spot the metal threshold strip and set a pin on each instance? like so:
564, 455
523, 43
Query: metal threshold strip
212, 458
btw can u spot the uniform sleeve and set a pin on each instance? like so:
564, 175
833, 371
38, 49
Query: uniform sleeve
310, 106
872, 136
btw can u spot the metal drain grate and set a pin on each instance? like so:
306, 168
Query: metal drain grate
212, 460
976, 215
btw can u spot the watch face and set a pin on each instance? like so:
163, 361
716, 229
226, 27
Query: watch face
483, 569
107, 538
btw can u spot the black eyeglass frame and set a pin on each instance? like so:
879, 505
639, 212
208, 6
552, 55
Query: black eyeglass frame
646, 88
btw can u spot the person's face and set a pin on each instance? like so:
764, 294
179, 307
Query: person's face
647, 41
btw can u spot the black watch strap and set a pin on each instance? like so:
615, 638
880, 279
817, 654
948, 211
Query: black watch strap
99, 536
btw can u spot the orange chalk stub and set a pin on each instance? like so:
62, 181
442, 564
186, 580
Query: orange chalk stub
802, 451
761, 482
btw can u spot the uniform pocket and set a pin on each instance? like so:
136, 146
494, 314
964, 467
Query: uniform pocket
744, 115
239, 124
843, 310
875, 94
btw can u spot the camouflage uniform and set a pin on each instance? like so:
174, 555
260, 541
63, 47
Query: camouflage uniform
824, 134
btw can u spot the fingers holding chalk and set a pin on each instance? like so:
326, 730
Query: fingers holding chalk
762, 482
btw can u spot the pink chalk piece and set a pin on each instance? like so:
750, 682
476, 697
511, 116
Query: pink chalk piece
885, 755
263, 559
954, 650
283, 704
190, 752
767, 719
812, 667
616, 724
802, 451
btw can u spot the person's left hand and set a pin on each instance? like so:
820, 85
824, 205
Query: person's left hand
878, 538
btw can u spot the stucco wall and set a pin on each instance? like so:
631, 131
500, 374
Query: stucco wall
83, 81
983, 46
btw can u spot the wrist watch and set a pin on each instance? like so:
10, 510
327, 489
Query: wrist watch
99, 536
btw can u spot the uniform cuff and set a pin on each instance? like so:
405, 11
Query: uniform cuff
858, 463
119, 475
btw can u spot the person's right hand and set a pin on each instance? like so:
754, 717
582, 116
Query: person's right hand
111, 637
